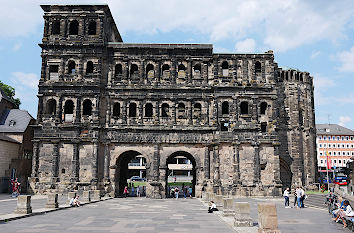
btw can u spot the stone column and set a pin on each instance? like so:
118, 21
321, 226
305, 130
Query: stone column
55, 162
52, 200
23, 204
257, 170
207, 162
40, 108
156, 163
35, 158
242, 215
75, 164
190, 113
236, 161
95, 161
108, 113
60, 109
107, 158
86, 196
216, 175
267, 218
78, 110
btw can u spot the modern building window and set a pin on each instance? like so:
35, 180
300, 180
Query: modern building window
258, 67
320, 145
132, 110
330, 153
264, 106
338, 138
342, 138
324, 138
320, 153
92, 28
320, 137
334, 145
116, 109
339, 153
321, 161
347, 138
325, 145
89, 67
165, 109
329, 145
225, 108
51, 106
351, 138
74, 28
334, 153
244, 107
56, 27
87, 108
148, 110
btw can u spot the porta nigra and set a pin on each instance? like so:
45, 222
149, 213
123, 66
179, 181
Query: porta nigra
246, 125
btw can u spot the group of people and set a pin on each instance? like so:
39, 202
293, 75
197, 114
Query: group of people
138, 191
187, 192
344, 210
299, 197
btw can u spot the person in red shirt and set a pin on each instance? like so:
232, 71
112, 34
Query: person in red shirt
15, 187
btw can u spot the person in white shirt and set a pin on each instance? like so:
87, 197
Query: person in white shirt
348, 212
298, 196
212, 207
286, 197
74, 202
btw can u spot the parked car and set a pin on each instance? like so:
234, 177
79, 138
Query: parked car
136, 178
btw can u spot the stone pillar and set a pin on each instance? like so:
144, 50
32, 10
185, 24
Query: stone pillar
70, 196
86, 196
95, 161
23, 204
78, 110
40, 108
96, 195
242, 215
55, 162
35, 158
107, 158
236, 160
257, 168
52, 200
75, 161
267, 218
216, 175
207, 162
228, 209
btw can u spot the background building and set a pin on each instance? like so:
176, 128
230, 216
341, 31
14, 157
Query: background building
338, 142
246, 125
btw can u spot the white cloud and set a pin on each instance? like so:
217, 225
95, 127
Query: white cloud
246, 46
315, 54
347, 60
283, 24
17, 46
25, 80
322, 84
344, 119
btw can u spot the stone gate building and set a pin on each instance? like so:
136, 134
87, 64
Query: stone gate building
247, 125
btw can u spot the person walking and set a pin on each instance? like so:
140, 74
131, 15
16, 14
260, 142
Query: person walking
303, 197
286, 197
298, 197
138, 191
176, 192
125, 192
190, 192
295, 197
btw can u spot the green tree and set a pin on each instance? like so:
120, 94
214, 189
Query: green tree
10, 92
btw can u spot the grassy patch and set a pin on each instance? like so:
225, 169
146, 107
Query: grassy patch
179, 183
138, 183
317, 192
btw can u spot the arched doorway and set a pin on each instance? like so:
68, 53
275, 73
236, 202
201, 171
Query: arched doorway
181, 173
131, 172
285, 174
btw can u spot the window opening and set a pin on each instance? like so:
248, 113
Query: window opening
72, 67
89, 67
225, 108
132, 110
244, 107
116, 109
263, 127
118, 69
87, 108
225, 68
51, 106
165, 110
264, 106
197, 110
148, 110
133, 69
92, 28
56, 28
150, 71
181, 110
258, 67
74, 28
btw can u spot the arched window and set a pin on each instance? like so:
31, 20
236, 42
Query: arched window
263, 106
181, 67
165, 108
244, 107
132, 110
181, 73
69, 107
148, 110
74, 28
71, 67
150, 71
181, 110
133, 69
225, 68
264, 127
197, 110
225, 107
87, 108
258, 67
89, 67
301, 78
51, 107
92, 28
197, 68
118, 70
116, 109
56, 27
297, 76
165, 67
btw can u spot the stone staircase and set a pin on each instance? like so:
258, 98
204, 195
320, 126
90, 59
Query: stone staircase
316, 200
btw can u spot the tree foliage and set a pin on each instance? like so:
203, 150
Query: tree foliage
10, 92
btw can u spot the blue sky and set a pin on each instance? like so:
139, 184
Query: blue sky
315, 36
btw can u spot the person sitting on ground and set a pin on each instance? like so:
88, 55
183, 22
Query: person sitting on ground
212, 207
342, 214
74, 202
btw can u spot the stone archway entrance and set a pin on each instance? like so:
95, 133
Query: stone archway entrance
181, 172
129, 164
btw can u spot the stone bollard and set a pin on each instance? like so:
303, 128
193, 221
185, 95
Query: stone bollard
70, 196
23, 204
52, 200
267, 218
242, 215
228, 207
219, 201
86, 196
96, 195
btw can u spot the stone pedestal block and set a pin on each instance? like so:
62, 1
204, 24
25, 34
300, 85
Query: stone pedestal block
267, 218
70, 196
242, 215
228, 207
205, 196
219, 201
212, 197
96, 195
23, 204
52, 200
86, 196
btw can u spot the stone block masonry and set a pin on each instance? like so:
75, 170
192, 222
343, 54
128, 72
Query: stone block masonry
23, 204
246, 125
